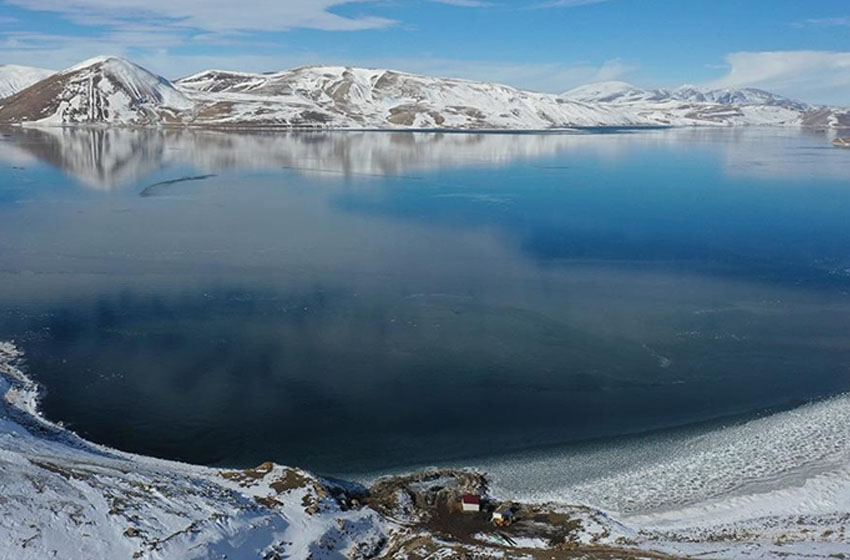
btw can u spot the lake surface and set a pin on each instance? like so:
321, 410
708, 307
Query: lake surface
363, 302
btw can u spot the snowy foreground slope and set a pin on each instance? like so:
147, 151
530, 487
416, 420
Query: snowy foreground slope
62, 497
114, 91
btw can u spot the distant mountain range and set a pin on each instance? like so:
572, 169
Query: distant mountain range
114, 91
625, 93
15, 78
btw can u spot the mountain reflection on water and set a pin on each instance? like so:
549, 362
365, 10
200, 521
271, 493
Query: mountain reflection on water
115, 158
355, 301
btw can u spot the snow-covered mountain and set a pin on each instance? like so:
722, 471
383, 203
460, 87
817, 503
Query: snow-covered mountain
696, 106
827, 117
624, 93
14, 78
103, 90
109, 90
733, 96
367, 98
614, 92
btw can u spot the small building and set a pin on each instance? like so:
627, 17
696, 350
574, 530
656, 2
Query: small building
470, 503
503, 515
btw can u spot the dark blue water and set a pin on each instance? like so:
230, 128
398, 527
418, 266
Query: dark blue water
354, 302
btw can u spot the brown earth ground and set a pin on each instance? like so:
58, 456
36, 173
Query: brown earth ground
428, 506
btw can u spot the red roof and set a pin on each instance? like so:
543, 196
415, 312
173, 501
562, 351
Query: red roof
470, 499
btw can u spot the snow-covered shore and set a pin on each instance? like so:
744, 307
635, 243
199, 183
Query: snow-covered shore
61, 496
772, 487
66, 498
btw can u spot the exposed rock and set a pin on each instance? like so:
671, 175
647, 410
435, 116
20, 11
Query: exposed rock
105, 90
113, 91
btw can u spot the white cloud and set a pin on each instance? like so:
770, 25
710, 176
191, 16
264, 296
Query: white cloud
211, 15
61, 51
829, 22
813, 76
463, 3
153, 46
567, 3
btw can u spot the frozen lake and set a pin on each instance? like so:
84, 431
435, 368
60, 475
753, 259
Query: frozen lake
365, 302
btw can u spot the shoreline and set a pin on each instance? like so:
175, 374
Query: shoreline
62, 455
236, 127
247, 127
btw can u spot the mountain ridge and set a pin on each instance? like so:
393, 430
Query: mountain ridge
114, 91
101, 90
617, 92
14, 78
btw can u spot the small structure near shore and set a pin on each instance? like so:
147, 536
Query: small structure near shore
842, 142
470, 503
503, 515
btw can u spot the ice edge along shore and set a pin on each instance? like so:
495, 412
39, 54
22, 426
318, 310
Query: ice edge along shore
64, 495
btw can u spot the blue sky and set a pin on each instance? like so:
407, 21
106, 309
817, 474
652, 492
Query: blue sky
798, 48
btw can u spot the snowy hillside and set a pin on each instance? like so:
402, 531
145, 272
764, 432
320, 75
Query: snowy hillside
358, 97
103, 90
63, 497
14, 78
827, 117
737, 97
113, 91
625, 93
614, 92
689, 105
